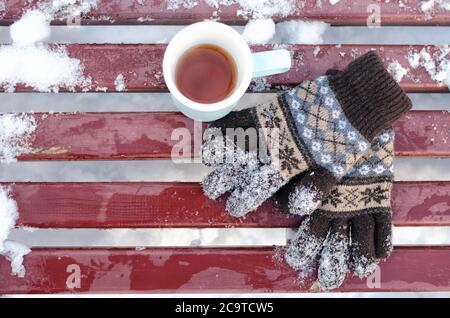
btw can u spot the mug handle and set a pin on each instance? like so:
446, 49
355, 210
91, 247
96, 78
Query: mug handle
271, 62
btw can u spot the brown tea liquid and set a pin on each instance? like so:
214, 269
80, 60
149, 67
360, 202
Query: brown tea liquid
206, 74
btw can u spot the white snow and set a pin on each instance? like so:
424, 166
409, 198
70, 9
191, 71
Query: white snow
333, 262
301, 32
34, 26
437, 65
303, 201
263, 31
15, 131
397, 70
259, 31
316, 50
185, 4
120, 83
13, 251
40, 67
429, 5
66, 9
259, 84
8, 215
333, 2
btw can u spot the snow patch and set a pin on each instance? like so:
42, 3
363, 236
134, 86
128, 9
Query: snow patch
397, 70
8, 215
333, 2
363, 267
120, 83
436, 64
259, 84
13, 251
303, 201
15, 131
259, 31
185, 4
430, 5
66, 9
301, 32
253, 189
41, 67
333, 261
303, 250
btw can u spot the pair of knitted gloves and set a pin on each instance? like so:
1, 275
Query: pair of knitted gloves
327, 154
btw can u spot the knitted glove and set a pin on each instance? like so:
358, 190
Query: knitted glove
353, 224
322, 127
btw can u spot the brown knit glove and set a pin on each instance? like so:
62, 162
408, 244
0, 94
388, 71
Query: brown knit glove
320, 128
352, 225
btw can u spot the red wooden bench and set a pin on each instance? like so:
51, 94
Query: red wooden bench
139, 135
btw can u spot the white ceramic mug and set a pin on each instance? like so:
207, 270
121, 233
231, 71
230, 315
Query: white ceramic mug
248, 65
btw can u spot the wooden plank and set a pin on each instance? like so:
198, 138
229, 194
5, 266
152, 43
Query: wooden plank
110, 136
171, 204
95, 136
140, 64
346, 12
423, 133
197, 270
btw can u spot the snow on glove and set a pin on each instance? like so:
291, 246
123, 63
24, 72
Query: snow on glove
353, 225
324, 127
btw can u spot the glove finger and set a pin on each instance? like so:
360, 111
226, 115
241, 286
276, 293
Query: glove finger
383, 234
335, 255
282, 195
225, 137
227, 176
307, 243
314, 187
254, 188
215, 150
363, 257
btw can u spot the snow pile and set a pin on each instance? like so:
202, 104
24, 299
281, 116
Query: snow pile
397, 70
301, 32
259, 31
13, 251
436, 64
43, 68
263, 31
256, 9
15, 131
33, 64
34, 26
8, 215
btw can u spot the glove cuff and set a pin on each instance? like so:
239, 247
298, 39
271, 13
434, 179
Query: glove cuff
370, 98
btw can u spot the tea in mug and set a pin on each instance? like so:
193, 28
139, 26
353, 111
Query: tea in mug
206, 74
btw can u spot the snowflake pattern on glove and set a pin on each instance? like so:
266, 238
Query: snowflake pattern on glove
326, 133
